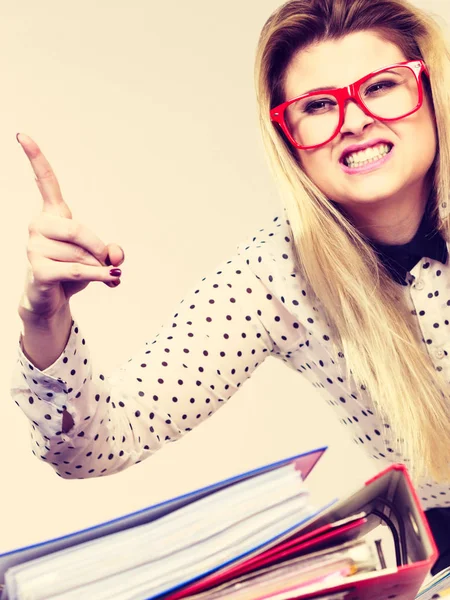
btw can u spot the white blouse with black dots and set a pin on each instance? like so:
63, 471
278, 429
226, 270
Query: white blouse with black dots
253, 306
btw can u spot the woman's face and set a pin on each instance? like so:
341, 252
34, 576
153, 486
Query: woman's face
398, 181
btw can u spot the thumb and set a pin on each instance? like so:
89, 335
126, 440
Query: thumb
115, 255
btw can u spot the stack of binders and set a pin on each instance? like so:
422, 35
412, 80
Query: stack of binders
255, 536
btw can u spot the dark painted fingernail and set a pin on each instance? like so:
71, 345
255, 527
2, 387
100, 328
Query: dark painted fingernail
115, 272
108, 261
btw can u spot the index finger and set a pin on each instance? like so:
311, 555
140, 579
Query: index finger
45, 178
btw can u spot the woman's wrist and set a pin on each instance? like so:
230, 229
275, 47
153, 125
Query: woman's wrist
44, 339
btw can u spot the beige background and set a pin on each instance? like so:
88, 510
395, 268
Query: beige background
146, 111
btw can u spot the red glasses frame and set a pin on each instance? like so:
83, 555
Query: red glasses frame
350, 92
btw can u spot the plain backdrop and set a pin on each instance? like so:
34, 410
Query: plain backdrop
146, 111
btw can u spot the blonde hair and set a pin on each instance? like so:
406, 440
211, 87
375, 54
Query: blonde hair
365, 308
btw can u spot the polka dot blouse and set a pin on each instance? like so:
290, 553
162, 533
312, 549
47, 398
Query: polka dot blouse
253, 306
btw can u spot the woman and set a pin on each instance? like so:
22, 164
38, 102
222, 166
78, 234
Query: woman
350, 290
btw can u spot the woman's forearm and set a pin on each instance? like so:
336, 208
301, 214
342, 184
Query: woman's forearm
44, 340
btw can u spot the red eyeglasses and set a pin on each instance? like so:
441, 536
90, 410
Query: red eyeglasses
388, 94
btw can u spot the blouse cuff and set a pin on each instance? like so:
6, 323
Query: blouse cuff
56, 386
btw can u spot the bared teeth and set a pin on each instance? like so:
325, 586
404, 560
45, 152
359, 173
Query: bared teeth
354, 159
353, 153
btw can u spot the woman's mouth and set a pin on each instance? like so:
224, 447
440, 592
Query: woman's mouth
367, 160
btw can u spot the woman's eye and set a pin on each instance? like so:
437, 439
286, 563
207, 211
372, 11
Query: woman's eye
380, 86
318, 105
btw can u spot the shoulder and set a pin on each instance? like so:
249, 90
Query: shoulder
269, 256
270, 248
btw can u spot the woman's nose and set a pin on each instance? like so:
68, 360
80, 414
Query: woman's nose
355, 119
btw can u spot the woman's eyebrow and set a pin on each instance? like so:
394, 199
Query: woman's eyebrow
334, 87
321, 89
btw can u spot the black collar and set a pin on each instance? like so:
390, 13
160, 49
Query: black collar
428, 242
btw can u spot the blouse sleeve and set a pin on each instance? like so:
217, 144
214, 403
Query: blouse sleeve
221, 332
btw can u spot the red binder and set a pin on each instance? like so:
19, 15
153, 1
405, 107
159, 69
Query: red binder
387, 498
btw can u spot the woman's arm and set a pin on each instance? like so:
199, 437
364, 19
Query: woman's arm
43, 340
199, 359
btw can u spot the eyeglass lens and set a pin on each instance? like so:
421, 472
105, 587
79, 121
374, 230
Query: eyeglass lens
390, 94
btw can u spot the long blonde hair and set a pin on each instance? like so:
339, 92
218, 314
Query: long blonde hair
369, 318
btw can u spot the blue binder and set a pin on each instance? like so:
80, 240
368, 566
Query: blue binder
305, 462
